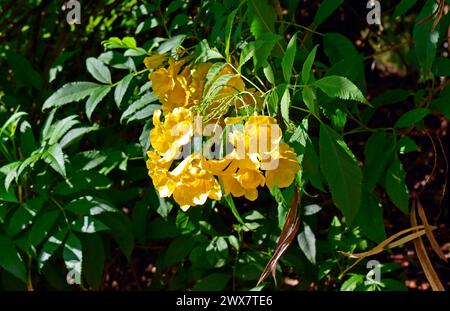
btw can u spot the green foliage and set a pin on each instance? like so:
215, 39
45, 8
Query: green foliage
75, 114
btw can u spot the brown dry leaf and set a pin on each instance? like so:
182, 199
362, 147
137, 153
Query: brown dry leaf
430, 235
287, 235
386, 244
427, 267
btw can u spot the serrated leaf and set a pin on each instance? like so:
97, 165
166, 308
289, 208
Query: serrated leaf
307, 242
58, 129
268, 72
285, 105
95, 98
98, 70
121, 89
412, 117
307, 65
70, 92
310, 99
72, 135
287, 63
142, 102
396, 186
171, 44
10, 259
54, 156
262, 17
341, 171
340, 87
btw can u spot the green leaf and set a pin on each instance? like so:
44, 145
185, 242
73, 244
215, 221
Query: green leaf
340, 87
10, 259
441, 103
378, 153
353, 282
89, 205
96, 97
70, 92
307, 242
272, 102
406, 145
285, 105
341, 171
121, 229
171, 44
412, 117
310, 99
98, 70
228, 29
27, 139
338, 47
54, 156
259, 50
42, 226
268, 72
88, 224
442, 67
370, 217
7, 195
212, 282
287, 63
73, 258
262, 18
24, 74
326, 8
50, 247
121, 89
140, 104
307, 65
396, 186
230, 203
403, 7
74, 134
93, 260
178, 249
60, 128
12, 121
426, 40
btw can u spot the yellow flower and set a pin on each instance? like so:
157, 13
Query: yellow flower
154, 61
158, 170
243, 183
167, 138
195, 184
284, 174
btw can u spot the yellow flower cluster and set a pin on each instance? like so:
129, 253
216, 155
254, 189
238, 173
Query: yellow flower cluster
257, 157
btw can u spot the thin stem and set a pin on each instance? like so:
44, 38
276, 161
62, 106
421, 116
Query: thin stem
62, 210
300, 26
